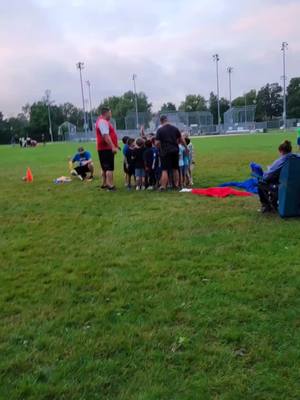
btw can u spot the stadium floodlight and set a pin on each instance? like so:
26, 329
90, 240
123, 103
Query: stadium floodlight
284, 48
216, 58
90, 98
134, 76
48, 104
80, 66
245, 94
230, 71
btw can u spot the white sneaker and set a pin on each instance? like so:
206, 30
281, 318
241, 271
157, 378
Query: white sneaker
137, 188
75, 173
150, 188
143, 188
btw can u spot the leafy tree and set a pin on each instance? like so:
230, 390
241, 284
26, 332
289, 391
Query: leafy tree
213, 107
5, 136
269, 102
12, 127
293, 98
168, 107
193, 102
18, 125
39, 121
125, 104
250, 99
72, 114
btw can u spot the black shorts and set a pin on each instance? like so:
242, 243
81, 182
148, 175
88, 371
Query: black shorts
107, 160
82, 170
170, 161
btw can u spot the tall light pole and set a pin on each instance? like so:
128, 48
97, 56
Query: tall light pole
91, 108
216, 58
48, 104
245, 94
284, 48
134, 76
80, 66
230, 71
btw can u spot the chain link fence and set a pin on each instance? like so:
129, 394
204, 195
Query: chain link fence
236, 120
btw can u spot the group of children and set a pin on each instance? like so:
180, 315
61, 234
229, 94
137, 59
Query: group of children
142, 166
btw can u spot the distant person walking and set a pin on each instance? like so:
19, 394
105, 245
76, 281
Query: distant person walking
169, 138
107, 146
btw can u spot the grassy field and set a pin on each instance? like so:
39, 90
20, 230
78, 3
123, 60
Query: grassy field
146, 296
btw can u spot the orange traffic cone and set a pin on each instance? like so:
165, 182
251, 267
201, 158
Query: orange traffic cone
29, 176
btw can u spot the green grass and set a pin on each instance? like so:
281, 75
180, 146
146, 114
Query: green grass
146, 296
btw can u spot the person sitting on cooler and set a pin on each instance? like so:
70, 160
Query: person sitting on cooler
268, 185
83, 165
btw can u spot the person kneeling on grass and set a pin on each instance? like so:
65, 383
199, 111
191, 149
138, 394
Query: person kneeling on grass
83, 165
268, 186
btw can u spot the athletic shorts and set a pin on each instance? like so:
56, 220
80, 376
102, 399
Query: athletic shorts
82, 170
107, 160
139, 173
170, 161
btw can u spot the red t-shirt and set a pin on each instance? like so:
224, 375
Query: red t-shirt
104, 127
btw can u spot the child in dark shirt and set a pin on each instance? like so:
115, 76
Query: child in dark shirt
150, 161
138, 154
129, 161
125, 148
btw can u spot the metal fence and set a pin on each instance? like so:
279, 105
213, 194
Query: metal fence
203, 130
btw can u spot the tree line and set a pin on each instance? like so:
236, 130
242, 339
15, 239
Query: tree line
33, 120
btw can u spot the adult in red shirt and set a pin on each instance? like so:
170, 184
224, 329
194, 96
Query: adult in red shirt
107, 146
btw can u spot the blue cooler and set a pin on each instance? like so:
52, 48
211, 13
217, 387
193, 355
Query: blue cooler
289, 189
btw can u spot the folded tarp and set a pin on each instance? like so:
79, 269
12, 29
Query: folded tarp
220, 192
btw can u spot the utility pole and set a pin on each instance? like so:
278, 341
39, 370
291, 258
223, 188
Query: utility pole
91, 108
48, 104
284, 48
80, 66
216, 58
230, 71
134, 76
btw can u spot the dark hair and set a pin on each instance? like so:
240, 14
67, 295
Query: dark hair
130, 141
285, 147
163, 119
140, 142
80, 150
187, 141
104, 110
148, 143
125, 139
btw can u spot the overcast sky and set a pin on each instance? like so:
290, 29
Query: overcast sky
168, 43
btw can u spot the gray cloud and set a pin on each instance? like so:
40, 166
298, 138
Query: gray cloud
169, 44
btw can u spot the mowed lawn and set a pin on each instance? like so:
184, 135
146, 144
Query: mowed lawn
146, 296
